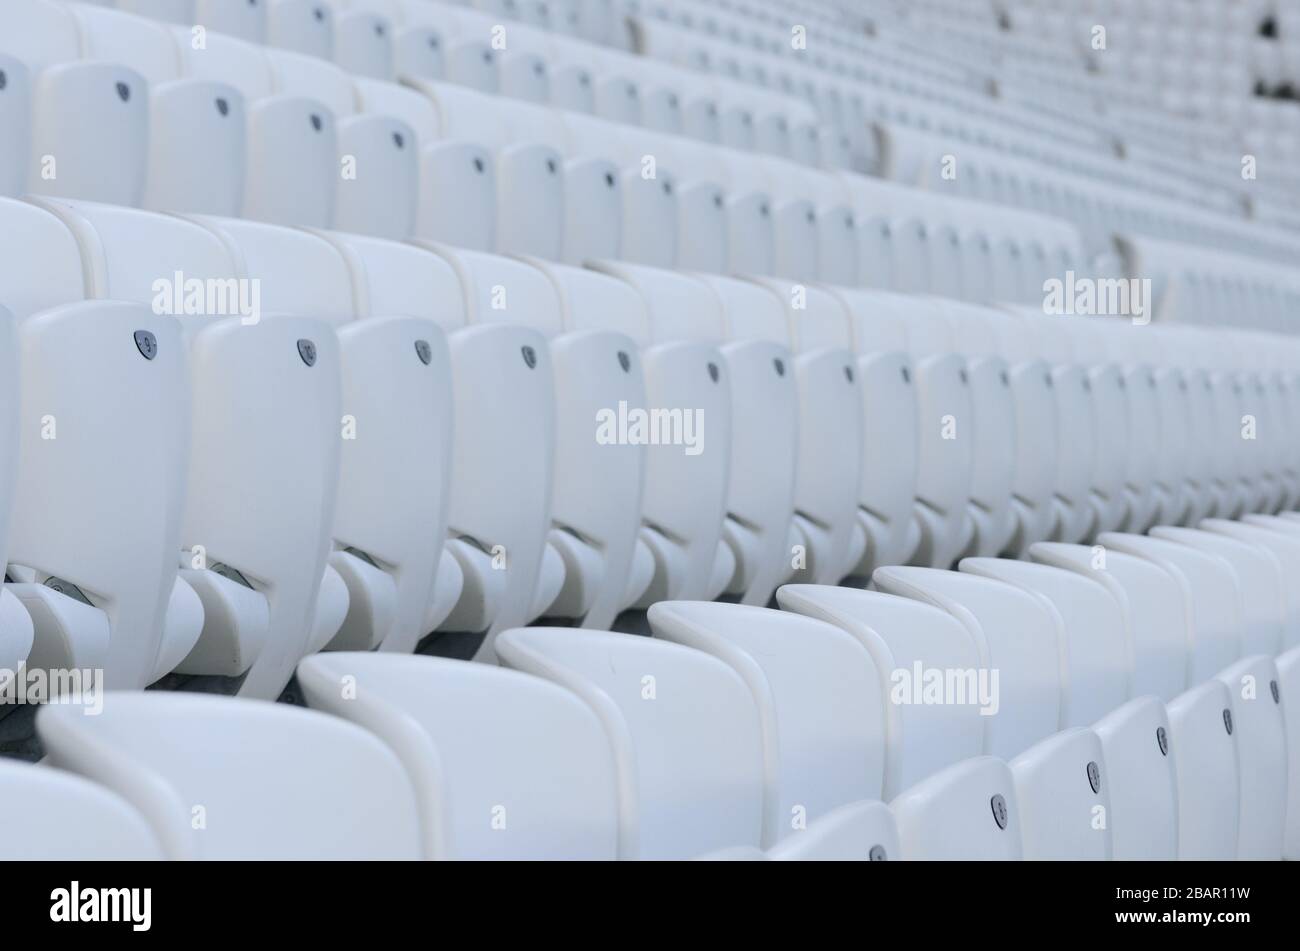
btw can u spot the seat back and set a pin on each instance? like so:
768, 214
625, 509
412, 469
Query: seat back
689, 758
1258, 726
1096, 659
1141, 780
1287, 552
216, 778
887, 381
765, 448
818, 753
1155, 615
106, 381
1015, 634
535, 778
684, 370
504, 434
597, 371
1259, 577
66, 818
1207, 766
939, 693
1214, 610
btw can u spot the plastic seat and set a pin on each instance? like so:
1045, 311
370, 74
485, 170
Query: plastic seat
499, 523
465, 53
1278, 534
859, 832
887, 381
527, 172
1154, 610
767, 453
197, 133
689, 759
535, 779
387, 547
993, 402
375, 178
913, 647
947, 426
1075, 415
1014, 633
1210, 595
1062, 788
89, 120
1144, 468
66, 818
594, 325
1097, 658
1258, 728
684, 368
417, 299
1141, 780
216, 778
830, 430
818, 754
364, 44
291, 156
1206, 761
91, 610
968, 812
267, 596
1259, 578
304, 26
1112, 455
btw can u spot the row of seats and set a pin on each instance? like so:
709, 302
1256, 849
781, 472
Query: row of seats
1201, 83
964, 402
447, 163
958, 399
1132, 707
395, 212
421, 39
365, 357
980, 117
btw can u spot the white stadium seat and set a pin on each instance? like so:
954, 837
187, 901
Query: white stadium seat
1210, 596
906, 640
817, 755
1207, 764
1015, 634
216, 778
1153, 609
68, 818
1141, 780
684, 728
535, 779
1254, 696
1096, 655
